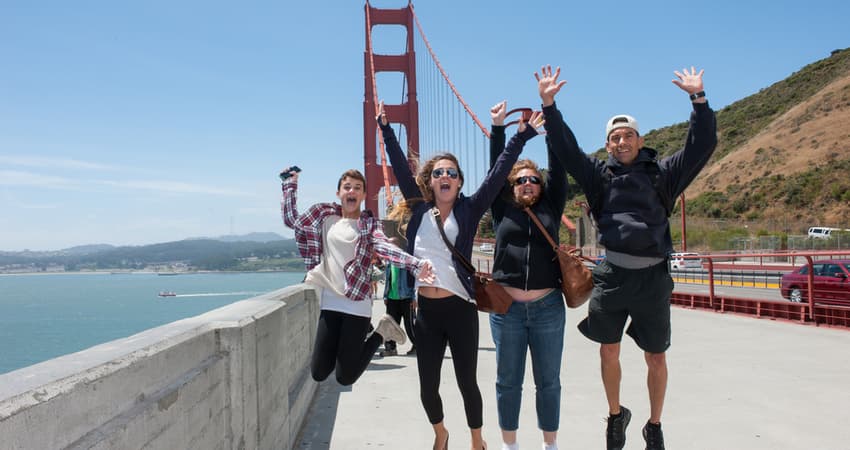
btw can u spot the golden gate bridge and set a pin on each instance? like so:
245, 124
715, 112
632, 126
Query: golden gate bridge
436, 119
432, 120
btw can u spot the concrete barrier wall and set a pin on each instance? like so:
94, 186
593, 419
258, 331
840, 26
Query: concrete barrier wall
234, 378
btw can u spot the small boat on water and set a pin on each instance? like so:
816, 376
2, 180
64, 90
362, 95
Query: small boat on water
167, 294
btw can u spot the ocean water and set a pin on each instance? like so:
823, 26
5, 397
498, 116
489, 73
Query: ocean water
44, 316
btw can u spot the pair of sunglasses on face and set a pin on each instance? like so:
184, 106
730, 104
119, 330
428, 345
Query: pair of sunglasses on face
529, 179
437, 173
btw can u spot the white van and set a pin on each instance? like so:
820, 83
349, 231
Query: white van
822, 232
486, 248
678, 262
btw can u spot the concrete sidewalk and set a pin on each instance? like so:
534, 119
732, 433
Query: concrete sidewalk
735, 383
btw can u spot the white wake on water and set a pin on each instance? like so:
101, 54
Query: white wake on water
219, 294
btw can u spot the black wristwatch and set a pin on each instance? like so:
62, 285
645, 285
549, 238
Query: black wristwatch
697, 95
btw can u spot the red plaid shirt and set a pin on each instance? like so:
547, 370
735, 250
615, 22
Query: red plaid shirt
308, 237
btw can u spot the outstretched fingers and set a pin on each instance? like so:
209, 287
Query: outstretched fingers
545, 72
536, 119
689, 81
548, 85
382, 114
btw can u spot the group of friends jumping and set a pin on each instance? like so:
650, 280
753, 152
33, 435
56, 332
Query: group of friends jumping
628, 196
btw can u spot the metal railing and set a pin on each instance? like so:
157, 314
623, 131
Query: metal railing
823, 306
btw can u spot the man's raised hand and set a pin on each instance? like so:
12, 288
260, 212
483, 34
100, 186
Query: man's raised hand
689, 81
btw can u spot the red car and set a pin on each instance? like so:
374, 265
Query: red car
831, 282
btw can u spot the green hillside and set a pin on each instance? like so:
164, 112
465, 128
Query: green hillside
813, 194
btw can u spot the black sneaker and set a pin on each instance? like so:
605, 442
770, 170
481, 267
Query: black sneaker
616, 432
653, 436
390, 352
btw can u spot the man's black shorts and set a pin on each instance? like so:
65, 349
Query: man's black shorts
643, 294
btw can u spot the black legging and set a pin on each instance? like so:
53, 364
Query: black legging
341, 342
450, 320
400, 311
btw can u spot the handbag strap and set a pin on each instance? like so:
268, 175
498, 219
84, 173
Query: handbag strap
575, 252
465, 262
540, 226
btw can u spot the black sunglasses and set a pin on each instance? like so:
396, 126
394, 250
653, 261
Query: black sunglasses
437, 173
529, 179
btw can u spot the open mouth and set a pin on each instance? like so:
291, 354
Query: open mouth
351, 200
445, 187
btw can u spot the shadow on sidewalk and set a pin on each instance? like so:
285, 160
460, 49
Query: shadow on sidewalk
317, 431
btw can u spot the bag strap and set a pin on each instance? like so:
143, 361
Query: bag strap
540, 226
575, 252
462, 259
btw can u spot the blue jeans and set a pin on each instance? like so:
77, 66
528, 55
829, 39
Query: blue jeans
538, 326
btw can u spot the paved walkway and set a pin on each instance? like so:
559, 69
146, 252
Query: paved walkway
735, 383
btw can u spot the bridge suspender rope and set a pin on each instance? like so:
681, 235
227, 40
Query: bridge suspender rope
387, 191
445, 75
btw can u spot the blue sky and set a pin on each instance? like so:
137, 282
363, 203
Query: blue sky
131, 123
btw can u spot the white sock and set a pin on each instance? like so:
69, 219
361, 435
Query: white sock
514, 446
553, 446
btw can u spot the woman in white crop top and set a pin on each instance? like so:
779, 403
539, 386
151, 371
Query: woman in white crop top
446, 314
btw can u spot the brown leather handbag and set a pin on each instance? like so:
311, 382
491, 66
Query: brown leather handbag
576, 280
490, 297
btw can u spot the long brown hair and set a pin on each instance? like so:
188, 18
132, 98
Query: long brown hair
401, 211
423, 178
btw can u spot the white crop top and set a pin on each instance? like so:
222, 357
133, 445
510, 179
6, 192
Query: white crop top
429, 245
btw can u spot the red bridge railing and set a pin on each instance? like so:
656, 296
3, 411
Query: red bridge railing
763, 271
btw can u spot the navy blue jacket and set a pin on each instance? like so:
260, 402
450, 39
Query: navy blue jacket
633, 219
467, 210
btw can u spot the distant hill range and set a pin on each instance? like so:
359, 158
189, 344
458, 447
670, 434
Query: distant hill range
783, 155
225, 253
250, 237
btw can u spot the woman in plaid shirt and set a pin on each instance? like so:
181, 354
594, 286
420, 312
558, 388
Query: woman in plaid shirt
337, 241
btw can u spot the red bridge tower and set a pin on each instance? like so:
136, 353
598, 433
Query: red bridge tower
406, 113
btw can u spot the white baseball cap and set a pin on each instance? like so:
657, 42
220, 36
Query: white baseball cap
621, 121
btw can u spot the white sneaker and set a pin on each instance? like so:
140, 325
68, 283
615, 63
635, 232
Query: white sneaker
390, 330
550, 447
514, 446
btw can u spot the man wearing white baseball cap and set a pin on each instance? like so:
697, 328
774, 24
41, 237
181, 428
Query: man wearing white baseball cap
631, 195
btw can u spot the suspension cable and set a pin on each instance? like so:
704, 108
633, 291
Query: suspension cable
445, 75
